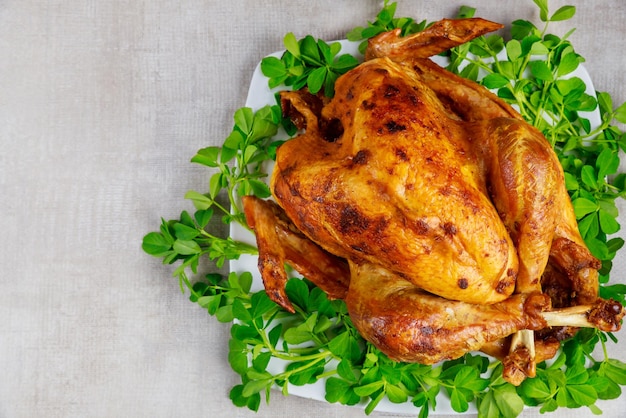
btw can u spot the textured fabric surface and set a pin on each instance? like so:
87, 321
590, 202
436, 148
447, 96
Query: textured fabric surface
102, 104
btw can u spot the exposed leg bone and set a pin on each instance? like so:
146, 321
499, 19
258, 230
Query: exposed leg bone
520, 363
605, 315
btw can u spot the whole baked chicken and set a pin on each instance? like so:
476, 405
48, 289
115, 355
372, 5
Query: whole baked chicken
432, 208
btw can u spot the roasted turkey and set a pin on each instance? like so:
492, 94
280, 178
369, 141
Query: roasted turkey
429, 206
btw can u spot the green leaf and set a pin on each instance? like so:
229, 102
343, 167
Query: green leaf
322, 325
458, 401
495, 81
155, 244
273, 67
301, 333
232, 143
589, 177
304, 373
215, 184
563, 13
583, 207
238, 356
345, 370
535, 389
186, 247
255, 386
274, 334
315, 80
538, 48
259, 188
615, 370
240, 312
249, 152
464, 376
338, 390
262, 128
571, 182
466, 12
340, 345
210, 303
608, 223
540, 70
203, 217
521, 28
470, 72
597, 247
513, 49
605, 101
224, 314
261, 361
607, 163
582, 394
355, 34
549, 406
488, 408
543, 9
251, 402
184, 232
370, 388
309, 51
568, 64
615, 244
291, 44
508, 401
244, 117
261, 303
207, 156
589, 225
395, 394
327, 51
344, 63
576, 375
227, 154
620, 113
298, 292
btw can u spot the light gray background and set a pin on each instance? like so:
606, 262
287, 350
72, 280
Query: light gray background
102, 104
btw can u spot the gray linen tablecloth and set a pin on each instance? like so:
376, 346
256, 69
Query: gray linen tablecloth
102, 104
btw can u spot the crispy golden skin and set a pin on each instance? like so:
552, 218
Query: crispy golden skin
402, 187
411, 325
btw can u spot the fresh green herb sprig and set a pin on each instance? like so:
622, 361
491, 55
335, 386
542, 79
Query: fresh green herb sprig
239, 172
249, 145
305, 342
307, 62
187, 240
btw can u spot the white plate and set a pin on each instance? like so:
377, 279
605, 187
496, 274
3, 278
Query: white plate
259, 95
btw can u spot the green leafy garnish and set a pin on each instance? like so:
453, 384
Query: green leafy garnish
249, 145
186, 239
308, 62
270, 348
